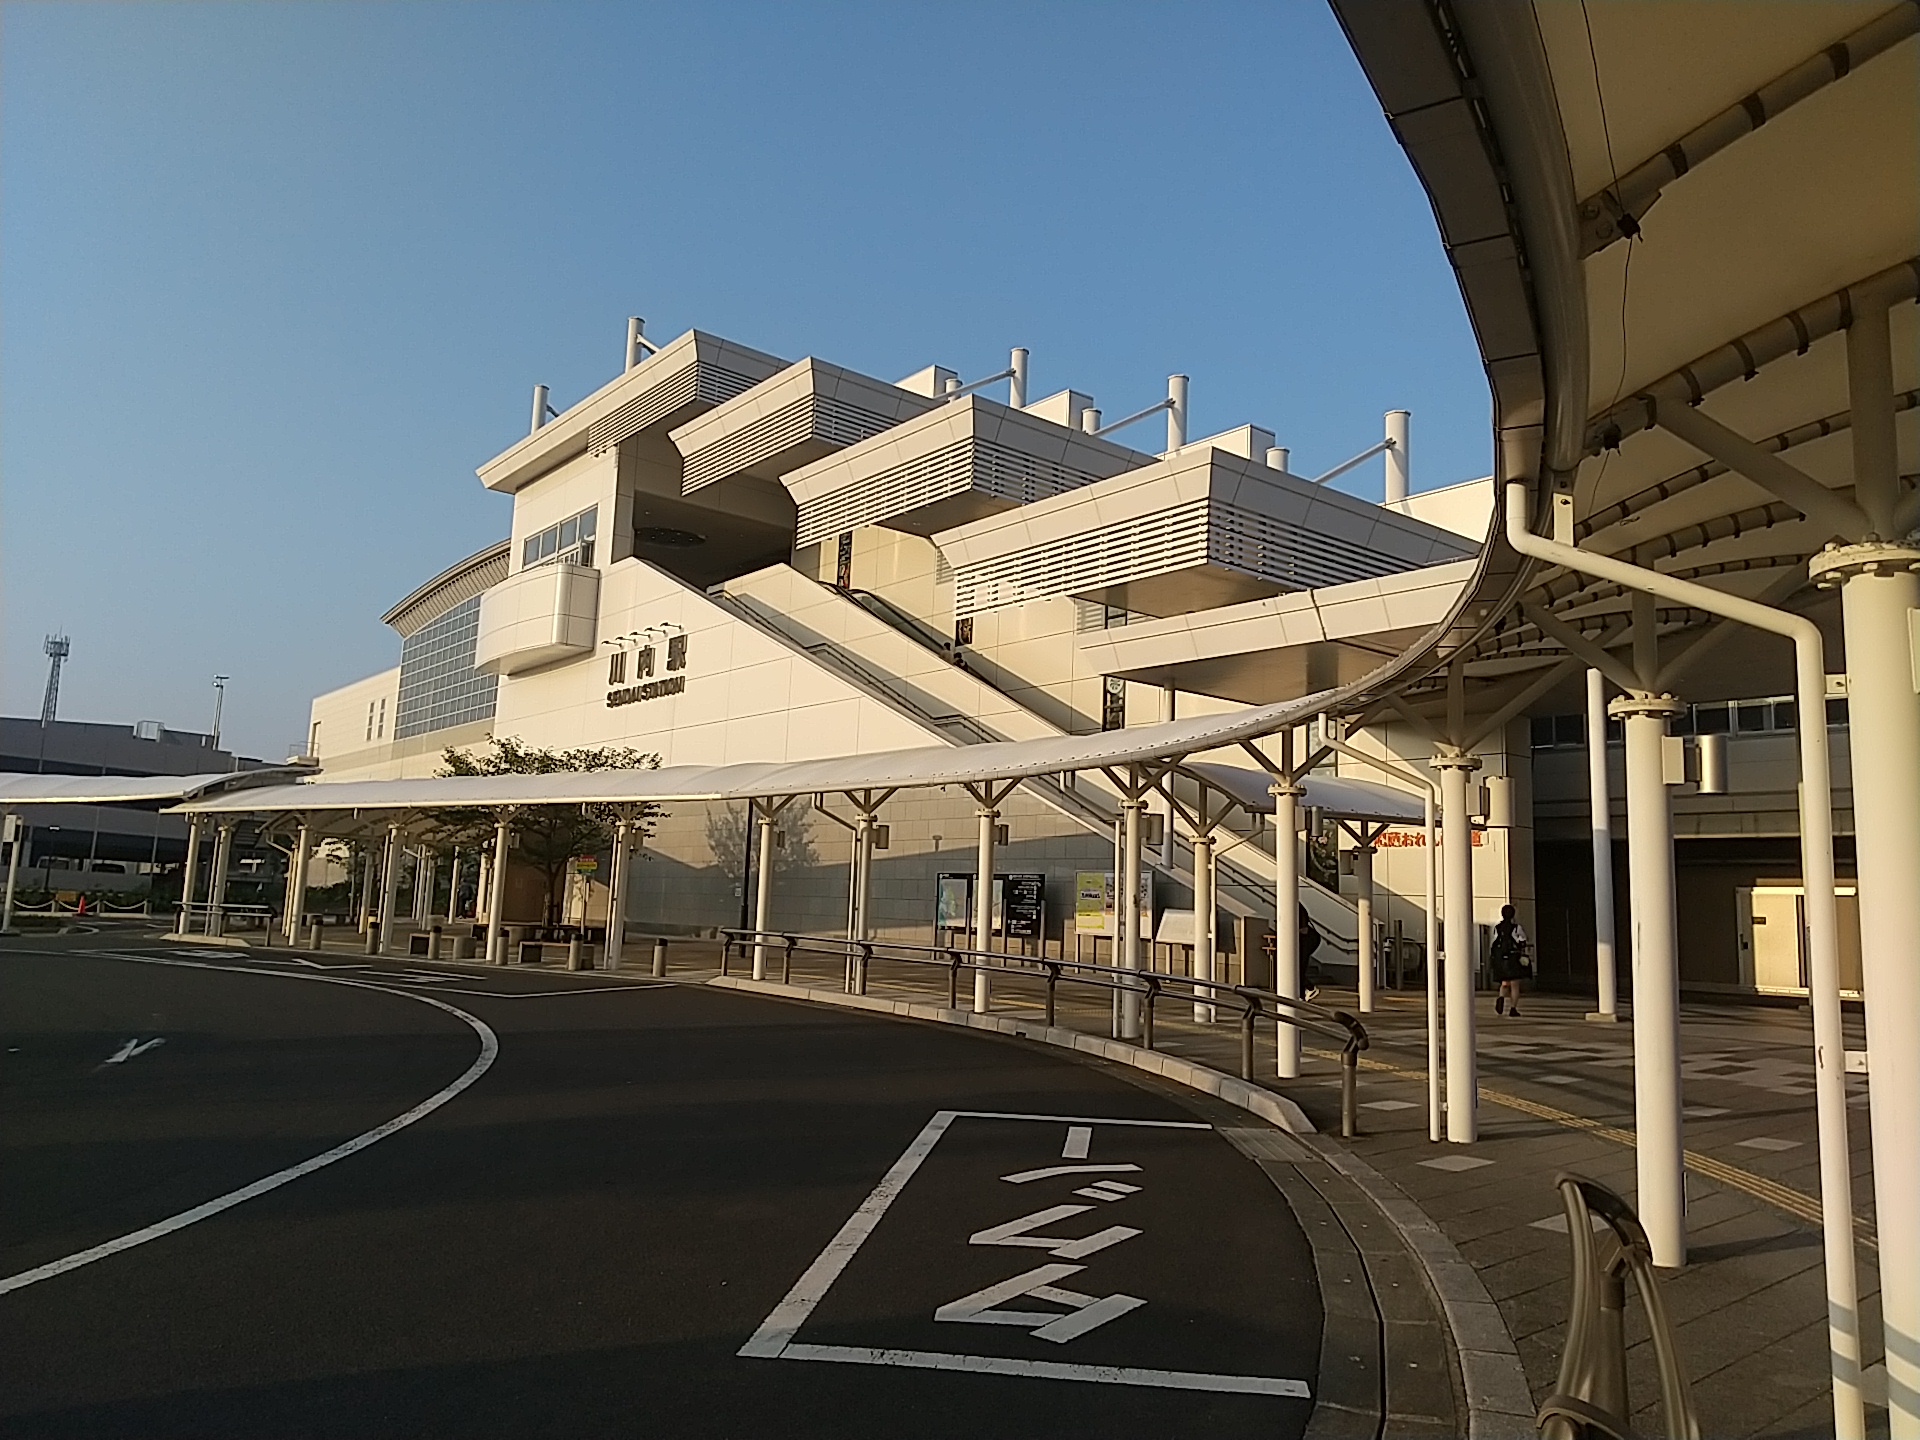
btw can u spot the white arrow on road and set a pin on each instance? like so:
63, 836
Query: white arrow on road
132, 1048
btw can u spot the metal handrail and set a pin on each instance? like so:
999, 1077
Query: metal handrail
1253, 1003
1590, 1400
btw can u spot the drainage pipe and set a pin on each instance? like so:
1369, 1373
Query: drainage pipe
1823, 934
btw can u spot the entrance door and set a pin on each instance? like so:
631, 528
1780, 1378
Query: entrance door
1777, 953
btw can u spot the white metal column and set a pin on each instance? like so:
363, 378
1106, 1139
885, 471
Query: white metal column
389, 886
1656, 977
1286, 919
189, 879
453, 886
1602, 833
989, 817
1456, 887
497, 893
15, 831
762, 890
1363, 913
1435, 1065
863, 878
1880, 607
618, 865
1204, 908
217, 889
1126, 911
297, 874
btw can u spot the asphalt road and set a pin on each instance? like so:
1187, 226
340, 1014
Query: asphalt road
645, 1179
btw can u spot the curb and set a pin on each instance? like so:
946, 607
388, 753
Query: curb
1274, 1109
230, 942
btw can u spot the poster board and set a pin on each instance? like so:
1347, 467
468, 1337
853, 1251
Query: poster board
1019, 904
1093, 901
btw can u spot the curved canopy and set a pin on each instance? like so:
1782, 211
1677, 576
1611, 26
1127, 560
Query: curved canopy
1668, 223
1338, 795
128, 789
883, 770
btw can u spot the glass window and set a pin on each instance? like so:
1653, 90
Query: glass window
569, 532
530, 552
586, 522
1569, 729
1711, 719
570, 539
1836, 712
1784, 714
1750, 718
439, 687
1542, 731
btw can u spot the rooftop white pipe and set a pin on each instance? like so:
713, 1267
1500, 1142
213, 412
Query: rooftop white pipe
1176, 412
1346, 465
1397, 457
1277, 457
1823, 929
1017, 379
638, 346
540, 408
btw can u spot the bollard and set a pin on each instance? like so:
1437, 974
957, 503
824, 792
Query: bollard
314, 933
659, 959
576, 954
1247, 1023
433, 942
786, 963
1349, 1082
373, 940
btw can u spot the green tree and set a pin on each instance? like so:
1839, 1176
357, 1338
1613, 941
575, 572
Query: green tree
549, 835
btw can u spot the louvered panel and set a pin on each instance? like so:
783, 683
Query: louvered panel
1167, 540
707, 385
967, 464
1289, 554
811, 417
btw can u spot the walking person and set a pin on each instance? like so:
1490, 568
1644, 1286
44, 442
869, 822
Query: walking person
1510, 961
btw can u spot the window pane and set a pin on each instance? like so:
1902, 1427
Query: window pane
1836, 712
549, 542
587, 518
1751, 718
1710, 719
569, 532
1569, 729
1542, 731
1783, 715
532, 551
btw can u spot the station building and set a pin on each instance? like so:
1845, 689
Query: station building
722, 556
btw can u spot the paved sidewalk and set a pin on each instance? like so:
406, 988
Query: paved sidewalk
1556, 1094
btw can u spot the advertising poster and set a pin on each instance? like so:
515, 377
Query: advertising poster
1093, 902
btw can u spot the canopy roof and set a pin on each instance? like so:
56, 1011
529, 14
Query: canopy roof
1657, 212
1341, 795
128, 789
884, 770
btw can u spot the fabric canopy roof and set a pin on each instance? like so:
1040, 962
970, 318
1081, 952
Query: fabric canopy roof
1340, 795
884, 770
127, 789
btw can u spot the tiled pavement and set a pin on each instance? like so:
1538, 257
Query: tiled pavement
1749, 1309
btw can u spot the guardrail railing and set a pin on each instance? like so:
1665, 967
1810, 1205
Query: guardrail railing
1590, 1400
1253, 1004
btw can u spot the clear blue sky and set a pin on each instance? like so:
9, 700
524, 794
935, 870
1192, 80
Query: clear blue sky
275, 278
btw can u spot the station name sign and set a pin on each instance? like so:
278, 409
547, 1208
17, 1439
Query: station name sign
637, 664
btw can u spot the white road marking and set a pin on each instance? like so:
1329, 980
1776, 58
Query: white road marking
1086, 1312
1051, 1370
1456, 1163
1021, 1177
776, 1332
132, 1048
489, 1048
1016, 1232
1079, 1141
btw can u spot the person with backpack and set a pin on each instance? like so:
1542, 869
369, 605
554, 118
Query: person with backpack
1309, 942
1510, 961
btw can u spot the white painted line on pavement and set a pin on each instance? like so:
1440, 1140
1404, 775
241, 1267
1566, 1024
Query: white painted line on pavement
132, 1048
1021, 1177
489, 1048
1079, 1141
1051, 1370
776, 1332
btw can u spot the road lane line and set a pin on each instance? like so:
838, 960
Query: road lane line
1052, 1370
489, 1049
776, 1332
